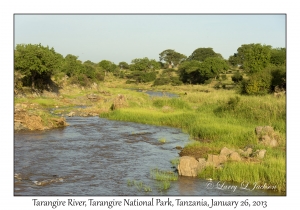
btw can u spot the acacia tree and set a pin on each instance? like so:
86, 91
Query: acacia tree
171, 57
123, 65
37, 63
200, 54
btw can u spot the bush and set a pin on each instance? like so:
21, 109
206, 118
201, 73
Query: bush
258, 84
80, 79
224, 77
148, 77
237, 77
233, 102
161, 81
175, 81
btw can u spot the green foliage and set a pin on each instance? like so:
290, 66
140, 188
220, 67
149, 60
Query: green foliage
37, 63
144, 64
123, 65
232, 103
107, 66
175, 81
213, 66
258, 83
148, 76
201, 54
278, 56
190, 72
161, 175
140, 76
278, 77
162, 81
171, 57
254, 57
237, 77
172, 102
80, 79
233, 60
72, 65
196, 72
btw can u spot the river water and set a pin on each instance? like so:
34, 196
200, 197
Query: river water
96, 157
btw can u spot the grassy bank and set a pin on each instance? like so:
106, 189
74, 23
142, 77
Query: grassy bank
215, 119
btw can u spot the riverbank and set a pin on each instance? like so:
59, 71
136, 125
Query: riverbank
213, 118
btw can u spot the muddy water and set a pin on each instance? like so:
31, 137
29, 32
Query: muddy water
95, 156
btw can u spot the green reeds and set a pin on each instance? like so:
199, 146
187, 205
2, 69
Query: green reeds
140, 186
160, 175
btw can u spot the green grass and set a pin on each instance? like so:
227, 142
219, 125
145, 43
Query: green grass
140, 186
162, 140
216, 120
160, 175
175, 161
163, 185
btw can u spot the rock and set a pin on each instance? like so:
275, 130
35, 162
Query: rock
19, 126
71, 114
188, 166
178, 147
268, 141
235, 156
201, 164
216, 160
225, 151
267, 136
246, 153
93, 97
273, 143
60, 122
249, 151
262, 130
261, 153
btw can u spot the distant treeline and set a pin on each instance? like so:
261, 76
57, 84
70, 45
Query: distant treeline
265, 67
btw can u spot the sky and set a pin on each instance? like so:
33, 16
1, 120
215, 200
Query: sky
126, 37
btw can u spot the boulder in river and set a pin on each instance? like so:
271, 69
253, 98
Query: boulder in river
189, 166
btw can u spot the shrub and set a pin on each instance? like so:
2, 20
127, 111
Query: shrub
175, 81
161, 81
148, 77
237, 77
224, 77
258, 84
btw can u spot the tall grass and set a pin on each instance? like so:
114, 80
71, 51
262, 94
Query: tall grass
217, 119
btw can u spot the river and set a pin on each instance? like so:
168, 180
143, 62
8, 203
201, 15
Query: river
96, 157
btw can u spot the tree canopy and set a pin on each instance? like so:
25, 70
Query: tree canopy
144, 64
171, 57
201, 54
198, 72
36, 62
107, 66
123, 65
254, 57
